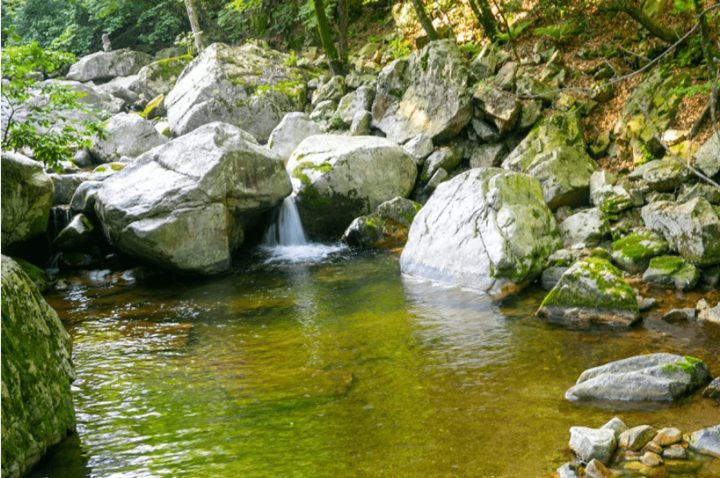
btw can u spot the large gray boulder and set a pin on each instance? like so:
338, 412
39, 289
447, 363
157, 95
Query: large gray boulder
104, 65
27, 196
591, 292
706, 441
37, 370
250, 86
485, 229
692, 228
185, 205
159, 77
126, 134
658, 377
424, 93
343, 177
554, 153
291, 131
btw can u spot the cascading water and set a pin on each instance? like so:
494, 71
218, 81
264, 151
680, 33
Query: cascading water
285, 240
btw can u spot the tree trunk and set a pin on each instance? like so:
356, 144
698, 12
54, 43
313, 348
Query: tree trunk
482, 11
637, 14
342, 13
194, 25
336, 64
425, 20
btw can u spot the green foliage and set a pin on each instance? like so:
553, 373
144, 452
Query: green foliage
560, 32
515, 30
33, 106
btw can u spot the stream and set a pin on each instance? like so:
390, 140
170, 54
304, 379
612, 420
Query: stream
340, 367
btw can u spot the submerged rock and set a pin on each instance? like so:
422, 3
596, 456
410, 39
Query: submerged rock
186, 204
658, 377
425, 93
249, 86
672, 271
386, 228
691, 228
107, 65
37, 371
126, 134
27, 196
554, 153
591, 292
343, 177
485, 229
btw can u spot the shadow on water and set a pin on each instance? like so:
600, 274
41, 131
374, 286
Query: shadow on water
341, 367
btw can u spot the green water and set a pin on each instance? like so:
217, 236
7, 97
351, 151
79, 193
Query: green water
337, 369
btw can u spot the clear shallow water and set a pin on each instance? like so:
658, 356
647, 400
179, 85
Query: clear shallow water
343, 368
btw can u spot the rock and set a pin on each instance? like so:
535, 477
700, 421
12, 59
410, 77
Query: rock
126, 134
82, 158
487, 155
386, 228
713, 390
636, 468
37, 371
707, 313
159, 77
485, 132
447, 158
495, 237
83, 200
707, 157
691, 228
711, 276
616, 425
568, 470
668, 436
658, 377
661, 175
419, 148
676, 315
439, 177
584, 228
75, 236
674, 452
107, 65
652, 447
507, 75
360, 125
502, 108
98, 101
249, 86
706, 441
672, 271
27, 196
554, 153
690, 191
332, 90
290, 132
634, 251
591, 292
324, 111
551, 276
637, 437
425, 93
485, 63
354, 102
646, 303
592, 443
185, 205
65, 186
609, 197
343, 177
595, 469
651, 459
120, 88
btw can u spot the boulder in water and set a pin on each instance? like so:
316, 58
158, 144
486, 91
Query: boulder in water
485, 229
343, 177
386, 228
185, 205
108, 65
249, 86
37, 371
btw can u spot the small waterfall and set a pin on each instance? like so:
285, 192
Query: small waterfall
288, 229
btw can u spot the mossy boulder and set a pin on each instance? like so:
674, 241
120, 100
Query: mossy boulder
591, 292
672, 271
612, 198
249, 86
658, 377
159, 77
342, 177
634, 251
104, 65
425, 93
691, 228
661, 175
27, 196
386, 228
486, 229
37, 370
554, 153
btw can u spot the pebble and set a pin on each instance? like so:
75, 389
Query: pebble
677, 315
651, 459
668, 436
675, 452
652, 447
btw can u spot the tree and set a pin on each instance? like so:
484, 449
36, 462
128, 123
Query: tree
425, 20
638, 14
31, 108
481, 9
194, 25
337, 66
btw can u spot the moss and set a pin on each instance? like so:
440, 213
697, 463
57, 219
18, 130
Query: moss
168, 68
152, 106
667, 264
688, 365
640, 246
